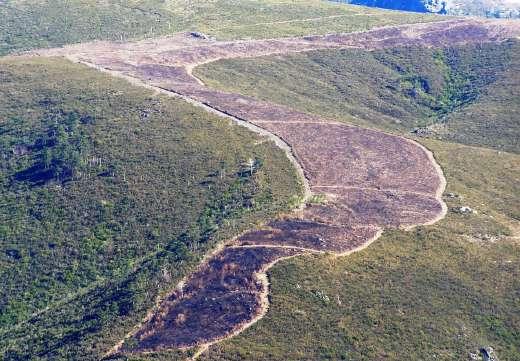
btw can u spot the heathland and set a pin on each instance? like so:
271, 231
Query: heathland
37, 24
444, 290
109, 196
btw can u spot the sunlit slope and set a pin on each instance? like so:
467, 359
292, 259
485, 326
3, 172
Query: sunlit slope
468, 94
34, 24
444, 291
109, 195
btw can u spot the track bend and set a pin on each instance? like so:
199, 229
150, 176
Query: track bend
371, 180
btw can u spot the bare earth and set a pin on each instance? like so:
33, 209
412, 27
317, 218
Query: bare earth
371, 180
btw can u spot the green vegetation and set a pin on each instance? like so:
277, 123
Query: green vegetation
468, 94
108, 196
439, 292
433, 293
36, 24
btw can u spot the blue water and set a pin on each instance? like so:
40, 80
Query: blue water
406, 5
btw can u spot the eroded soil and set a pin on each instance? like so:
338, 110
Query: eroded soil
370, 180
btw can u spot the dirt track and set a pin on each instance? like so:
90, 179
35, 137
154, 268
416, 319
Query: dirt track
371, 180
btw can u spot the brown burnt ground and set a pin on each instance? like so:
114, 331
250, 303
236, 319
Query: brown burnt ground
222, 295
309, 235
371, 180
185, 51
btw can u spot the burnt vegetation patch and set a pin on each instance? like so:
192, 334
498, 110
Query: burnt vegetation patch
390, 182
103, 208
467, 93
313, 236
224, 294
372, 180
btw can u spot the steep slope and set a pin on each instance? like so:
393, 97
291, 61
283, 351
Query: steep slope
109, 196
441, 292
469, 93
368, 179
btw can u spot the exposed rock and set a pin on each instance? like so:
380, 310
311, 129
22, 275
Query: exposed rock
474, 356
436, 129
483, 238
486, 8
322, 296
199, 35
488, 354
487, 238
463, 210
422, 132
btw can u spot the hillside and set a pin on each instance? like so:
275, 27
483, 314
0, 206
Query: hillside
469, 94
41, 24
257, 180
109, 196
363, 183
443, 291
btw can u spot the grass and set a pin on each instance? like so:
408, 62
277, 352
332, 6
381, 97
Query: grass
38, 24
109, 196
468, 94
439, 292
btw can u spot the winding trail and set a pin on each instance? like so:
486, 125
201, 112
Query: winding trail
371, 180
